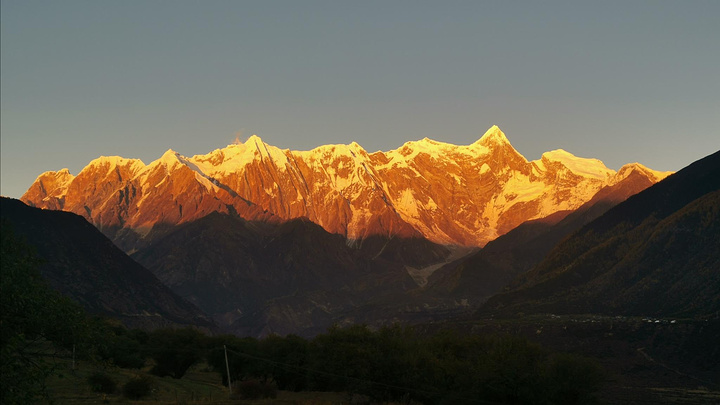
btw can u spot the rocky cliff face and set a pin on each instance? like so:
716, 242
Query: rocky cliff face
459, 195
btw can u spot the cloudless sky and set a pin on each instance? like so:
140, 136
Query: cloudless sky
619, 81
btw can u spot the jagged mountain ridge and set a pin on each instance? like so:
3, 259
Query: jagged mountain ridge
457, 195
257, 278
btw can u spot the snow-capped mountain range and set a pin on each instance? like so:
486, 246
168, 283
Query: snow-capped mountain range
456, 195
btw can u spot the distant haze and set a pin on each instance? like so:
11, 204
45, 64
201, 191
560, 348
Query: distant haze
617, 81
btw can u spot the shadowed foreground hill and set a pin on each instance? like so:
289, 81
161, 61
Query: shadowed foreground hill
656, 254
83, 264
257, 278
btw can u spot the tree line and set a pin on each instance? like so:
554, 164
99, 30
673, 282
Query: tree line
390, 364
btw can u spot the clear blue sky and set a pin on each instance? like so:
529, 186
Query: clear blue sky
620, 81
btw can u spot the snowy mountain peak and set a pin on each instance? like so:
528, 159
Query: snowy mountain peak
170, 156
61, 176
493, 136
642, 169
460, 195
356, 147
559, 155
426, 145
51, 188
254, 140
168, 160
111, 162
581, 166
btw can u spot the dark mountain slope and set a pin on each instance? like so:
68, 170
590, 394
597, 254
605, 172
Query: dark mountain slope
83, 264
279, 278
655, 254
491, 269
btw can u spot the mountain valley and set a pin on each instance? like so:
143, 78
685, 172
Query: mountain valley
271, 241
256, 241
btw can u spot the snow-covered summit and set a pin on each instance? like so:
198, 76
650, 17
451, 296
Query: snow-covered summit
110, 163
453, 194
493, 136
581, 166
113, 161
169, 159
654, 175
60, 174
253, 140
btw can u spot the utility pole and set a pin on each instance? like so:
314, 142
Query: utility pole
227, 367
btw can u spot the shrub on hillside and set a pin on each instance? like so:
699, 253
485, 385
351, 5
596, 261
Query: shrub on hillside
138, 387
101, 382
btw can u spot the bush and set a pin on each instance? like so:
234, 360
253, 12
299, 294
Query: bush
124, 348
256, 389
101, 382
138, 387
288, 354
175, 351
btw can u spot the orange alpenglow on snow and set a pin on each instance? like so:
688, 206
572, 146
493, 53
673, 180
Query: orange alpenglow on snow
461, 195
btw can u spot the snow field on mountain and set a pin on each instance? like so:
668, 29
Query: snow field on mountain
462, 195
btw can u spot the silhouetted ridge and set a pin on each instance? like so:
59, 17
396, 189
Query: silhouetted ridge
655, 254
83, 264
257, 278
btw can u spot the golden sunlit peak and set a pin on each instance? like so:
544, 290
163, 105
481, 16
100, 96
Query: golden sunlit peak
169, 157
254, 139
170, 153
493, 135
356, 146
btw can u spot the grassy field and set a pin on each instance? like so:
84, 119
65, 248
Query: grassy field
198, 386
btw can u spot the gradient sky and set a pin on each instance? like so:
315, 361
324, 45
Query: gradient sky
619, 81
